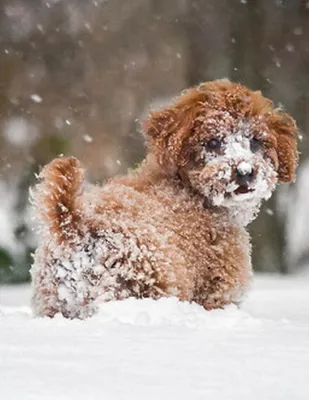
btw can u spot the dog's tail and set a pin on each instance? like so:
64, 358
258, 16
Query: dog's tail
55, 197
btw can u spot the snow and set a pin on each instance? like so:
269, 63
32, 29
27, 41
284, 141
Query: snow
137, 349
19, 132
244, 168
36, 98
88, 138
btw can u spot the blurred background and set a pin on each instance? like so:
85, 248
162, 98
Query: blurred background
77, 76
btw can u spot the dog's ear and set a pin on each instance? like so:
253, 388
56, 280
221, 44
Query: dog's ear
169, 129
286, 133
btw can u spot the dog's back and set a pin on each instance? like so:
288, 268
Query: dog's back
102, 243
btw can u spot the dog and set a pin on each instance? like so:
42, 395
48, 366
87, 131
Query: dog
176, 225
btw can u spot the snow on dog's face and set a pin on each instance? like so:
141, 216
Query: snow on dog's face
227, 143
232, 160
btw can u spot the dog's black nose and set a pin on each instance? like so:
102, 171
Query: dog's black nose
244, 175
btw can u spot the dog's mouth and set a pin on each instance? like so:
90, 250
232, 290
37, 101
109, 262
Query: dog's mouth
239, 190
243, 190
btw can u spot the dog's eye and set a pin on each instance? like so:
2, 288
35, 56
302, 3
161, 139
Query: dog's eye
255, 145
214, 144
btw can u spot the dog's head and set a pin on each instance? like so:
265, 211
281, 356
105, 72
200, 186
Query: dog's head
227, 142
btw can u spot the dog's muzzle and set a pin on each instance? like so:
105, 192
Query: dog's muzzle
244, 175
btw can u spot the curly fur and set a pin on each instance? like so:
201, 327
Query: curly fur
176, 225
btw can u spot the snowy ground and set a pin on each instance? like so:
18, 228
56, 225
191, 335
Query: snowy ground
160, 350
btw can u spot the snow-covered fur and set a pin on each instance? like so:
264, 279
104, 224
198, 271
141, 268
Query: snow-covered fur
176, 225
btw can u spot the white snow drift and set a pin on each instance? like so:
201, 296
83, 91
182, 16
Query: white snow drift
146, 349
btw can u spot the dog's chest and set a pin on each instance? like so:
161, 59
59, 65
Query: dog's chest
211, 241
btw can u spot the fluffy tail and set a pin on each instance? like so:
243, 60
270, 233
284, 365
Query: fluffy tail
54, 198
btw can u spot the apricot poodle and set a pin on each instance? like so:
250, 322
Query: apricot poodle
176, 226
